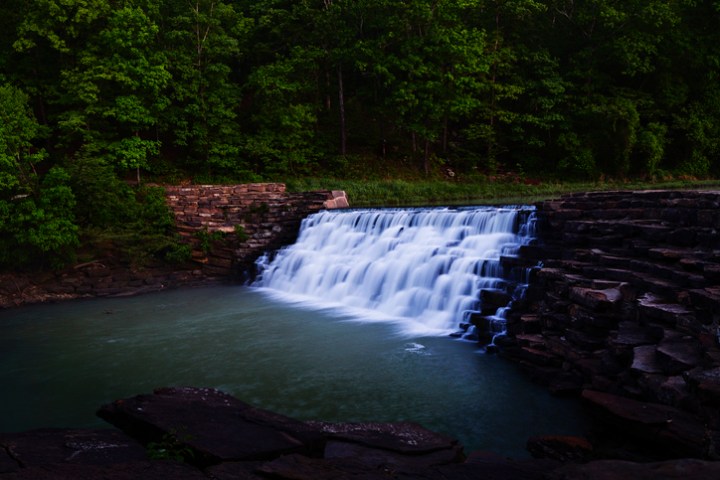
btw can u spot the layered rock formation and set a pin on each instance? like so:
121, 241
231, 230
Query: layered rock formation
626, 310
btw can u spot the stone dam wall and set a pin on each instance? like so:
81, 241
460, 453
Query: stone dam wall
229, 227
625, 311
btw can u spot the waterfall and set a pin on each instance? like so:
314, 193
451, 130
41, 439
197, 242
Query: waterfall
424, 268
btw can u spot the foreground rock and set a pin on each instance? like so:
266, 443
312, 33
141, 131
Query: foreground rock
221, 438
73, 454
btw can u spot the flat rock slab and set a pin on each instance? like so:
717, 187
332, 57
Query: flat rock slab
707, 383
676, 432
220, 428
59, 454
645, 360
655, 307
686, 469
54, 446
402, 437
564, 448
633, 334
376, 458
678, 356
138, 470
600, 300
217, 426
297, 467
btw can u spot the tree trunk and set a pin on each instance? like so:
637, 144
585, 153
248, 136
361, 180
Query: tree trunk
445, 135
341, 107
426, 157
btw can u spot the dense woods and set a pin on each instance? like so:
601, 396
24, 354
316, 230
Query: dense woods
94, 93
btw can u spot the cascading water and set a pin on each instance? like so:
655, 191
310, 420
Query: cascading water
423, 268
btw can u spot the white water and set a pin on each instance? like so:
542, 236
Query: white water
422, 268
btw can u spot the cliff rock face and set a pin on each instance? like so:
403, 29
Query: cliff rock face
626, 309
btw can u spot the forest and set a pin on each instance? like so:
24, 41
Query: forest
100, 97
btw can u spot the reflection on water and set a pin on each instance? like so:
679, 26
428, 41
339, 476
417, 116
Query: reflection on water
58, 363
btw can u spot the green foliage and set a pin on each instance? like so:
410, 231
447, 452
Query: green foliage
18, 131
475, 190
105, 199
37, 224
172, 446
578, 159
284, 138
39, 230
203, 41
136, 222
253, 90
241, 234
650, 148
207, 238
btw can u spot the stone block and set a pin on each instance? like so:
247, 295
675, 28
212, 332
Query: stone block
599, 300
670, 430
645, 360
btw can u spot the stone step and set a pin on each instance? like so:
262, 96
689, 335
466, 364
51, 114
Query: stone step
633, 334
679, 275
654, 307
642, 282
706, 298
679, 356
531, 340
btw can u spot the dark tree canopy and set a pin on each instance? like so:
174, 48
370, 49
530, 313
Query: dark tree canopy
105, 91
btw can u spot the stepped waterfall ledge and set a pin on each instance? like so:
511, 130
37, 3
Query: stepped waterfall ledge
431, 270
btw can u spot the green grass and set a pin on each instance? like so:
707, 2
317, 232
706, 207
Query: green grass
388, 193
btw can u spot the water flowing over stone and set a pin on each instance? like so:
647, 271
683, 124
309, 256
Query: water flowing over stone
424, 268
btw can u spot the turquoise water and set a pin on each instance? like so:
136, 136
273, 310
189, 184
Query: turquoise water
58, 363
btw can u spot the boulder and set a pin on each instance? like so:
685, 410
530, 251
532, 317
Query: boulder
62, 454
671, 432
216, 426
53, 446
600, 300
680, 355
686, 469
563, 448
645, 360
402, 437
137, 470
633, 334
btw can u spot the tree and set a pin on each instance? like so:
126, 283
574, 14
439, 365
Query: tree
203, 40
113, 76
282, 97
429, 65
36, 218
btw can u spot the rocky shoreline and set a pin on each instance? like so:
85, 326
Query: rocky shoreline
105, 278
202, 433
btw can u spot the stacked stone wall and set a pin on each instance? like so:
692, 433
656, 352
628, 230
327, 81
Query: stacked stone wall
230, 226
626, 308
